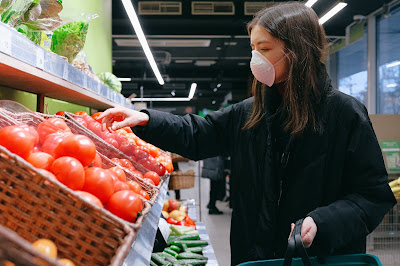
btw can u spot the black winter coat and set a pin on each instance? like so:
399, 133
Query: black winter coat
337, 177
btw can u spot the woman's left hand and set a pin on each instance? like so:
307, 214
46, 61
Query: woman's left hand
308, 231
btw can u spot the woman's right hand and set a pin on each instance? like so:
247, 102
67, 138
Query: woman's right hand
119, 117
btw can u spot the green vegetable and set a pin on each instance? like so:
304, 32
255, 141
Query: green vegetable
34, 36
111, 81
152, 263
195, 250
182, 230
69, 39
190, 243
171, 252
193, 262
183, 237
184, 247
170, 258
159, 260
175, 248
190, 255
15, 11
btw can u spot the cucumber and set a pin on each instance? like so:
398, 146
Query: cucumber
170, 258
195, 250
175, 248
184, 247
190, 243
183, 237
171, 252
155, 257
193, 262
152, 263
190, 255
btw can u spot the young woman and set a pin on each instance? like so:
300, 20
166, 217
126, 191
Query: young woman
299, 148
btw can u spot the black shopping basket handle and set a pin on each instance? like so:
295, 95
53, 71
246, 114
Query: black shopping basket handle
296, 247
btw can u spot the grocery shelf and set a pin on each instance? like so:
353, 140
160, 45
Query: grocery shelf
28, 67
140, 253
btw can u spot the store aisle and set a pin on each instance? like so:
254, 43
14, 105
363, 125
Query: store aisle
217, 226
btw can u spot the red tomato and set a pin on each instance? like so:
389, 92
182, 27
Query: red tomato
81, 121
134, 186
48, 174
119, 173
112, 142
41, 160
90, 198
113, 176
44, 129
96, 115
60, 113
99, 182
95, 127
116, 160
125, 204
128, 148
69, 171
149, 181
126, 163
154, 151
52, 141
79, 147
80, 113
140, 142
106, 135
127, 129
31, 130
37, 149
153, 176
97, 162
137, 174
58, 122
17, 140
120, 138
119, 185
144, 194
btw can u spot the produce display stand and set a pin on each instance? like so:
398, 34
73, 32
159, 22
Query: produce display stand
28, 67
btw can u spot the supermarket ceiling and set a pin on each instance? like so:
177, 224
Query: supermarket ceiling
201, 42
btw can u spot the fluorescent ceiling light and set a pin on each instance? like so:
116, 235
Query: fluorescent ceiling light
391, 85
164, 43
124, 79
192, 90
310, 3
191, 94
332, 12
395, 63
142, 39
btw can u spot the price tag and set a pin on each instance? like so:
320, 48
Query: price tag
5, 41
40, 58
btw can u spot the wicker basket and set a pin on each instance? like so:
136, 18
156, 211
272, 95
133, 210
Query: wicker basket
36, 206
181, 180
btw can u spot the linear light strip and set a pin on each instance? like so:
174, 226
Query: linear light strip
142, 39
396, 63
192, 90
310, 3
187, 99
332, 12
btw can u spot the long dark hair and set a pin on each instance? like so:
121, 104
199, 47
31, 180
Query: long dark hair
306, 46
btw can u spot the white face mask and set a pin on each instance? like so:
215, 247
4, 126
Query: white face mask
262, 69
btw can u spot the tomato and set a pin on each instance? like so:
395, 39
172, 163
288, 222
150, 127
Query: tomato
139, 154
153, 176
66, 262
60, 113
44, 129
119, 138
128, 148
80, 113
154, 151
116, 160
96, 115
119, 185
69, 171
17, 140
81, 121
137, 174
52, 141
89, 198
140, 142
31, 130
77, 146
112, 142
41, 160
119, 173
125, 204
97, 162
99, 182
150, 181
134, 186
126, 163
58, 122
144, 194
95, 127
46, 246
127, 129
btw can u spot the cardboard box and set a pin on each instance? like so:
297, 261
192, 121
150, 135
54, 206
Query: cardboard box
387, 128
